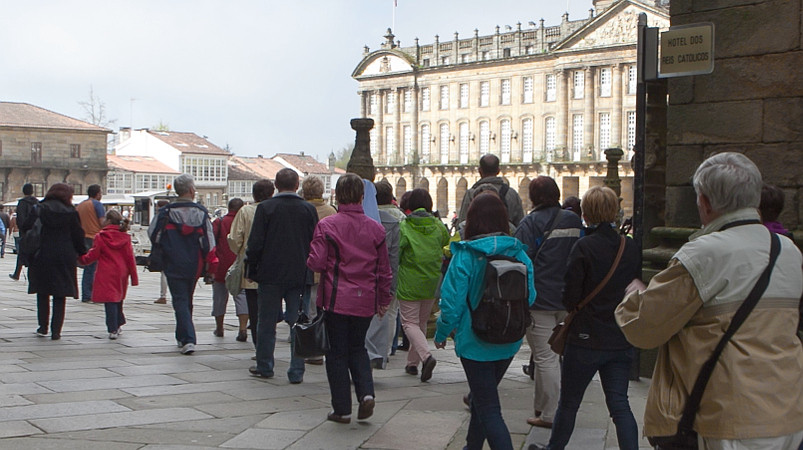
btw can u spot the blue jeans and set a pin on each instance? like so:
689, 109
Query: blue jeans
182, 289
347, 355
269, 298
89, 275
579, 366
114, 316
486, 412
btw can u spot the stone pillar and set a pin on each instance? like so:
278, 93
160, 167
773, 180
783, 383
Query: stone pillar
589, 119
364, 99
612, 180
361, 162
397, 156
617, 140
561, 136
381, 151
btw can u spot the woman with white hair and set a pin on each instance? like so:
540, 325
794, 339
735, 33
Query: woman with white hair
754, 398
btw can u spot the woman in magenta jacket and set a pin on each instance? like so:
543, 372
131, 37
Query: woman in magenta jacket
349, 251
112, 249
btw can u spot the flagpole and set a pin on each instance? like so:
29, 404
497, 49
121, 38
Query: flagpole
393, 23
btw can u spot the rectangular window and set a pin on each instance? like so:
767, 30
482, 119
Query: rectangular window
38, 189
504, 144
444, 97
605, 82
390, 145
631, 130
426, 140
464, 95
444, 143
464, 143
373, 106
407, 139
485, 93
506, 53
551, 87
444, 60
528, 89
632, 79
529, 49
36, 152
374, 138
486, 55
604, 131
425, 99
485, 137
527, 140
464, 58
75, 150
505, 98
408, 100
390, 104
577, 135
426, 62
549, 138
579, 83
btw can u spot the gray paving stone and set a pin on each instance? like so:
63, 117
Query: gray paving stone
16, 428
45, 443
433, 430
22, 389
234, 425
295, 420
118, 382
59, 410
64, 397
181, 400
264, 439
248, 408
13, 400
165, 369
151, 436
119, 419
32, 377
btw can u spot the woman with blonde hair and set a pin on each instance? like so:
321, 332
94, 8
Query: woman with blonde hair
595, 343
115, 256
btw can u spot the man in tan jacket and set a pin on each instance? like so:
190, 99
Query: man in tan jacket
754, 398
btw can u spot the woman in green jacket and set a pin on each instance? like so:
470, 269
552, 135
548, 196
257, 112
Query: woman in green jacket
421, 241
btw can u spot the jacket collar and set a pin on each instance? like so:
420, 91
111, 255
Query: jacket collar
717, 224
354, 208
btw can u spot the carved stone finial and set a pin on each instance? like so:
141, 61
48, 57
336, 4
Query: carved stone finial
389, 42
612, 180
361, 162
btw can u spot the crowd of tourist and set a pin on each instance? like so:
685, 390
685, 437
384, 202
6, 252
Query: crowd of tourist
378, 267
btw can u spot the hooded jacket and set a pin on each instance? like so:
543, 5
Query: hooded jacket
225, 256
465, 279
52, 270
421, 240
115, 255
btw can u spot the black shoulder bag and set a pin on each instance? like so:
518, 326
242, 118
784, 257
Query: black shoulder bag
311, 339
686, 437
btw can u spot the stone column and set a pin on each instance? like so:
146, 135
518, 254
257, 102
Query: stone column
617, 140
589, 119
364, 99
381, 152
561, 136
397, 156
361, 162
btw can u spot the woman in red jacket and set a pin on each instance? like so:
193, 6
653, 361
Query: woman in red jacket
115, 255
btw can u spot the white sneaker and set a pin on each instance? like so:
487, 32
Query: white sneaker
188, 348
113, 335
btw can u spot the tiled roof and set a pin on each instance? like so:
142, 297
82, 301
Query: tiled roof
30, 116
139, 164
188, 142
246, 168
304, 163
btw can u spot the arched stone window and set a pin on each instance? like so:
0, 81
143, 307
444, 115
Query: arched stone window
460, 191
401, 188
524, 193
442, 204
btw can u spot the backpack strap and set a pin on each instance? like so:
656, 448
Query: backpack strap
551, 225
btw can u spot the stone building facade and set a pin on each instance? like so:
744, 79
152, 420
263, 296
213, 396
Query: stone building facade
546, 100
43, 148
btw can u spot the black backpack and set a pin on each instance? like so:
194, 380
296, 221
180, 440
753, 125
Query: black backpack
31, 241
503, 314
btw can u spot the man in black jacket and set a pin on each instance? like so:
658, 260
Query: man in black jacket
277, 253
24, 208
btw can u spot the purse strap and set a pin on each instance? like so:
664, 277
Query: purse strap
607, 278
553, 223
693, 403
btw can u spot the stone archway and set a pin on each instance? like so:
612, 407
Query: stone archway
442, 204
524, 193
460, 192
423, 184
401, 188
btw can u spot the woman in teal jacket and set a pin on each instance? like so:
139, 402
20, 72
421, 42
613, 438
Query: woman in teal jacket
422, 237
484, 363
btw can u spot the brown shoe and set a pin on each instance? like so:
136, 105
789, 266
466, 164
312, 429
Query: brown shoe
539, 422
366, 408
338, 418
161, 300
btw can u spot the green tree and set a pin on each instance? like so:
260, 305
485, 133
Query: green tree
343, 155
162, 126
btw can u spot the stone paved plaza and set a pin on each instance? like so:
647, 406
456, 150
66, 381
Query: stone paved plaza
88, 392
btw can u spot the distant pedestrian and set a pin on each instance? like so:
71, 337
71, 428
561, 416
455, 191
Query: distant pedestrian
114, 254
349, 250
238, 238
277, 254
6, 220
52, 270
489, 175
184, 232
162, 300
422, 238
220, 295
772, 202
25, 207
92, 217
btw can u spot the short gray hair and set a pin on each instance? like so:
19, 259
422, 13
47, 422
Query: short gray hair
183, 183
730, 181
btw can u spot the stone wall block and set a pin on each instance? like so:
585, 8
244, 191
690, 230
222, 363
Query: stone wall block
681, 166
710, 5
775, 161
681, 207
767, 76
783, 119
678, 7
714, 123
681, 90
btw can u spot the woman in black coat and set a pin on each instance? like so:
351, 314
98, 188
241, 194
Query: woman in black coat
52, 270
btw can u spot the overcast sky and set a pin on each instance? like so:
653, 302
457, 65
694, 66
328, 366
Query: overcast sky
260, 76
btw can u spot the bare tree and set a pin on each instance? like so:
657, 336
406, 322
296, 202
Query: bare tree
95, 110
343, 155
